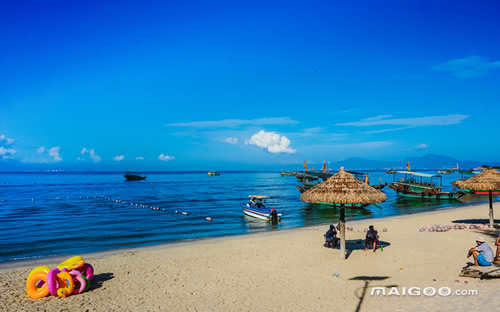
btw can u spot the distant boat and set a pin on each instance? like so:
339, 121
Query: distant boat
255, 208
130, 176
379, 186
421, 185
288, 173
213, 173
304, 187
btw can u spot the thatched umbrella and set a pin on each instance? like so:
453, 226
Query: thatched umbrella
343, 189
486, 181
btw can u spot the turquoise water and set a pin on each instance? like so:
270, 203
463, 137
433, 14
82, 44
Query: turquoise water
47, 214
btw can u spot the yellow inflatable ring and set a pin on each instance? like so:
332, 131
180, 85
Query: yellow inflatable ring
71, 263
65, 282
43, 268
32, 284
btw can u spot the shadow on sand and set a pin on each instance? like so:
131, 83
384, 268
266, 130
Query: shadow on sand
359, 244
99, 280
360, 292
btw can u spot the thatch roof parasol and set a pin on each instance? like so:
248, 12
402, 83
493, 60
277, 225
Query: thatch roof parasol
488, 180
343, 188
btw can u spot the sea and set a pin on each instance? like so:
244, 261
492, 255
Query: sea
69, 213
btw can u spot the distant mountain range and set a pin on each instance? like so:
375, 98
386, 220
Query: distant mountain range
429, 161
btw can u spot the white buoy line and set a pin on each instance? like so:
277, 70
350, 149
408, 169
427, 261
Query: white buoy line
135, 204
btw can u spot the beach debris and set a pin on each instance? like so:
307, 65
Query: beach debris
335, 275
447, 227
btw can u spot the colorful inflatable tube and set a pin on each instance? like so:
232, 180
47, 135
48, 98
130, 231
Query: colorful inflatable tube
80, 281
36, 285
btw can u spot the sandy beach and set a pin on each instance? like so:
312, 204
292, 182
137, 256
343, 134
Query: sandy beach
287, 270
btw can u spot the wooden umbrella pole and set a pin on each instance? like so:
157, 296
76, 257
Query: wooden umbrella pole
342, 232
492, 220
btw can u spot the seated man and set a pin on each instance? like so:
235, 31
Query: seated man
331, 237
497, 243
371, 240
483, 254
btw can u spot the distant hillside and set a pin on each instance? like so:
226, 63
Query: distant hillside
429, 161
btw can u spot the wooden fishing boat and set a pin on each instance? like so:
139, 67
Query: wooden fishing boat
421, 185
379, 186
130, 176
288, 173
255, 208
306, 176
304, 187
213, 173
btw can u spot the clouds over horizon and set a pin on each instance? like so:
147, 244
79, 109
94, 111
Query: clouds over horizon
119, 157
468, 67
92, 154
272, 142
164, 157
231, 140
6, 150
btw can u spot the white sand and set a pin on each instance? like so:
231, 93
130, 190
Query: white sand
280, 271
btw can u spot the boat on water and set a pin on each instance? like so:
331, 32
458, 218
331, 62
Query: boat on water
306, 176
132, 176
288, 173
421, 185
305, 186
379, 186
213, 173
255, 208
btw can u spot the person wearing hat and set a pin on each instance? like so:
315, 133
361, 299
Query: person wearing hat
483, 254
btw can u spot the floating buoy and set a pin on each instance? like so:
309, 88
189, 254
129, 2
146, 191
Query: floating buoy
185, 213
176, 211
208, 219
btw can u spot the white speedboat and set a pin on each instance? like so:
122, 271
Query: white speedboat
256, 208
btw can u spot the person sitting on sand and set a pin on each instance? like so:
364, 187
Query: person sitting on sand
371, 240
483, 254
331, 237
497, 243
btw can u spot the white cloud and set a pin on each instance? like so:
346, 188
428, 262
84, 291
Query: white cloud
421, 146
468, 67
119, 157
387, 130
7, 153
40, 150
54, 153
231, 140
92, 154
139, 158
411, 122
6, 140
233, 123
272, 141
165, 157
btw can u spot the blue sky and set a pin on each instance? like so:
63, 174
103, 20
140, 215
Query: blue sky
165, 85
